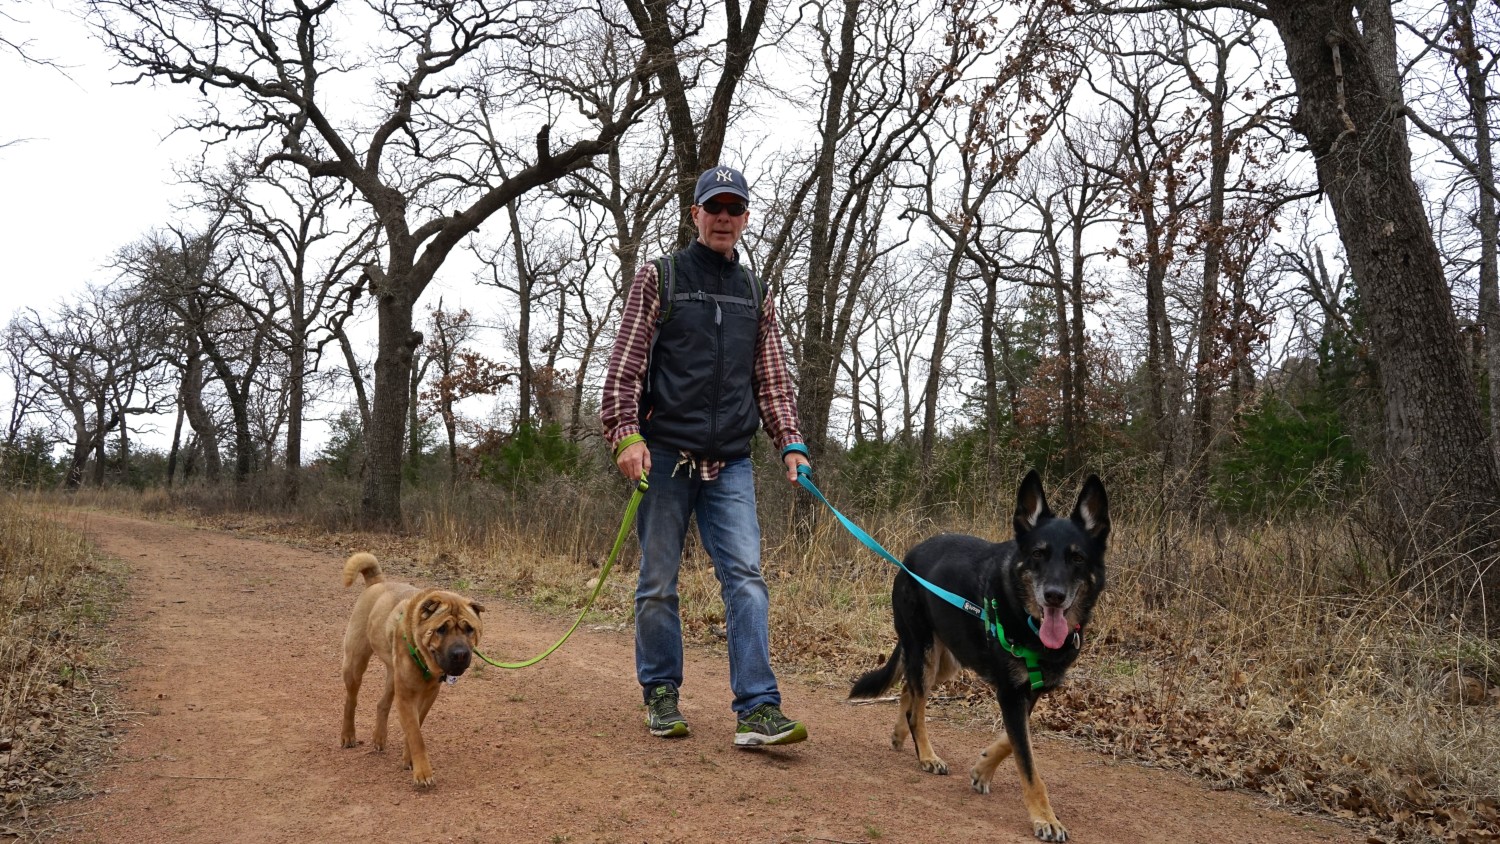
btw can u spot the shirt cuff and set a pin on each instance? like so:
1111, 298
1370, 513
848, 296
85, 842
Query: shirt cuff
618, 435
627, 442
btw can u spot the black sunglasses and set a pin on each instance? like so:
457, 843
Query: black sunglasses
734, 209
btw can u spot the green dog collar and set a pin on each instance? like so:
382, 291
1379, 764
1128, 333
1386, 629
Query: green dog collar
411, 649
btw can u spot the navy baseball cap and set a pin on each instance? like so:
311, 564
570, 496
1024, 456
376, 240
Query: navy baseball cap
719, 180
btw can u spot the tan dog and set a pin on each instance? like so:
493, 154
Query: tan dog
422, 635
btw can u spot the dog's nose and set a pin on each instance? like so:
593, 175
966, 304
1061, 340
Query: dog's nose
456, 659
1054, 596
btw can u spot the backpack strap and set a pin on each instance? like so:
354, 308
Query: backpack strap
666, 278
666, 281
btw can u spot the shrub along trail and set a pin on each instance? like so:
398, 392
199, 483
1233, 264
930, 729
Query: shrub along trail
230, 671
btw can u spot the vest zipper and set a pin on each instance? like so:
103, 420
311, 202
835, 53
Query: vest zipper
713, 420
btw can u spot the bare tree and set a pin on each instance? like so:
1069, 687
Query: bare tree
197, 280
1351, 110
1069, 192
1458, 116
884, 73
277, 74
459, 373
288, 218
1159, 182
89, 359
697, 141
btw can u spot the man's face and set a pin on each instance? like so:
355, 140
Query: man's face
717, 228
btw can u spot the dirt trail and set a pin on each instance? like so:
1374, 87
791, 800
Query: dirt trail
232, 654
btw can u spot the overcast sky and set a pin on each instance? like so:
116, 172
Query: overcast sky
88, 164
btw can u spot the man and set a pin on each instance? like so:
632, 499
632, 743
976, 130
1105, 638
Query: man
690, 380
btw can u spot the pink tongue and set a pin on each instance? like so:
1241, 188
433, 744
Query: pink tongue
1054, 630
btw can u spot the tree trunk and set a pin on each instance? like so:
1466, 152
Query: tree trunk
1079, 375
991, 386
419, 366
1059, 288
815, 400
297, 389
356, 379
98, 444
939, 349
693, 153
397, 343
1205, 377
198, 416
238, 393
1489, 227
1349, 110
176, 442
525, 284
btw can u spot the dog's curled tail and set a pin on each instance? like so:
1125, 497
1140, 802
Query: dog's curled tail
878, 682
362, 563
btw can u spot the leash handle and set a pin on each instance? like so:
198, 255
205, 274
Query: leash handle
625, 524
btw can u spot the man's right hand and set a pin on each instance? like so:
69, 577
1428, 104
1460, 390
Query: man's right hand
634, 461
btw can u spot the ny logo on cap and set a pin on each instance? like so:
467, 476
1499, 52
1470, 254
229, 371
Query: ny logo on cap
725, 176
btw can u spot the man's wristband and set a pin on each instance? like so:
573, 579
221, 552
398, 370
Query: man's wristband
797, 448
627, 442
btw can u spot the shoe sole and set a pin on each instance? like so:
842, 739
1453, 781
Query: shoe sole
677, 730
792, 736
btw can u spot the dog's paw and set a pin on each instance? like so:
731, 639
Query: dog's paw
347, 741
935, 765
1049, 830
421, 781
979, 781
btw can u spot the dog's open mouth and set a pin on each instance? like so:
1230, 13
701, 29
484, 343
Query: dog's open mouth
1054, 629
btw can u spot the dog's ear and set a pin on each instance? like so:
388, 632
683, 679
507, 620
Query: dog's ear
428, 607
1091, 513
1031, 504
476, 607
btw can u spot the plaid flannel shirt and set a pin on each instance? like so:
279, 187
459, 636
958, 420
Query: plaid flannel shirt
626, 376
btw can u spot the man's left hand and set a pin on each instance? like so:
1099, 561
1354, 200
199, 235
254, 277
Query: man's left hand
792, 460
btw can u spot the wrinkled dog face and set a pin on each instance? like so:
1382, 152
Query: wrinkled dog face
450, 630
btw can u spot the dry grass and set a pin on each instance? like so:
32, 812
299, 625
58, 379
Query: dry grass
55, 594
1277, 658
1282, 657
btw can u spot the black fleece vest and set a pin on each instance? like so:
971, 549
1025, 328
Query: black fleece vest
700, 392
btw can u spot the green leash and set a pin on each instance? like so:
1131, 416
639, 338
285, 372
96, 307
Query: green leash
630, 508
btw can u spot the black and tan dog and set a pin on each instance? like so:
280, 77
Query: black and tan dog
1039, 588
422, 635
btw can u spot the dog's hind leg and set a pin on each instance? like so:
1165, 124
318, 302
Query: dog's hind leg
1016, 710
919, 679
902, 730
354, 675
383, 710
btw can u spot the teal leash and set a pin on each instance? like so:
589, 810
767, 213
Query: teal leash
987, 615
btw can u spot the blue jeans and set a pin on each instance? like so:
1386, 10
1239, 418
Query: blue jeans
725, 509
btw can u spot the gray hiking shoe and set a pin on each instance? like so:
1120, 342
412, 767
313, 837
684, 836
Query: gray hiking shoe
662, 717
765, 725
